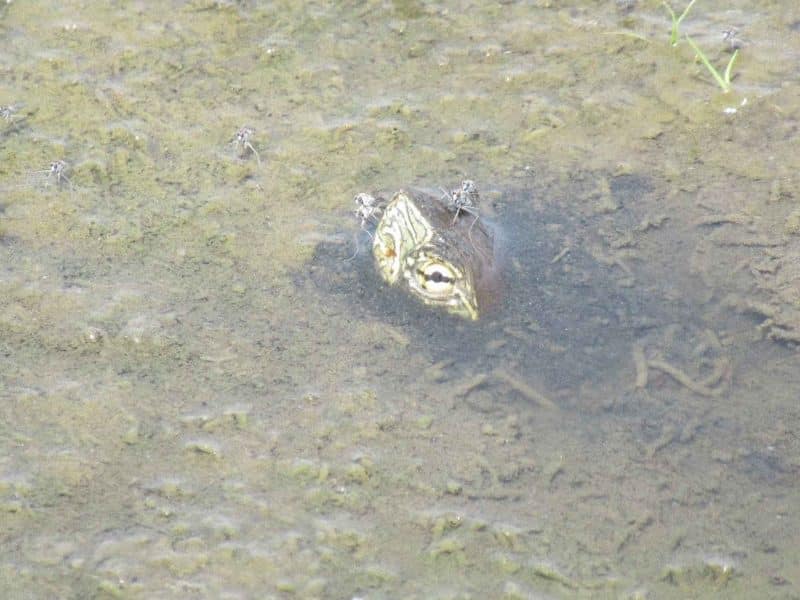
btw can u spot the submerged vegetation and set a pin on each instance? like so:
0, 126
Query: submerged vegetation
674, 35
723, 80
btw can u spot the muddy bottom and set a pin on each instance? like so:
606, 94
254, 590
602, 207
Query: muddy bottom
200, 397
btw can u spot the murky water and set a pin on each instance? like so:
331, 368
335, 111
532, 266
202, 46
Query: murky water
201, 398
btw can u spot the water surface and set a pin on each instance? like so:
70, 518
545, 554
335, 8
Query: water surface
201, 398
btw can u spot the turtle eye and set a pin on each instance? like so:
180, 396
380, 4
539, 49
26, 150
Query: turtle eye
436, 278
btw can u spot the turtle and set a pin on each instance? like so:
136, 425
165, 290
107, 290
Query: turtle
438, 250
522, 292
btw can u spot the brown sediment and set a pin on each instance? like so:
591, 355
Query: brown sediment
749, 241
780, 334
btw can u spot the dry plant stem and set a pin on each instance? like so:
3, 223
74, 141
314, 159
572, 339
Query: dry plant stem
682, 378
471, 384
514, 382
640, 362
525, 389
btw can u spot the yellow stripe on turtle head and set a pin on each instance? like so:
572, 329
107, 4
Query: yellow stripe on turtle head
401, 230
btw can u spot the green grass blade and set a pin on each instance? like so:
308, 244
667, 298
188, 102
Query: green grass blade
686, 11
629, 34
725, 85
676, 21
729, 68
673, 36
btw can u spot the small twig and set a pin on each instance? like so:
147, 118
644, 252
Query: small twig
523, 388
640, 362
682, 378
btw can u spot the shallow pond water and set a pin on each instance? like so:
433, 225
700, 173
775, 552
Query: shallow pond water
201, 397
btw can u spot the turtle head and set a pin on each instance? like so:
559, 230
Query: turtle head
412, 250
